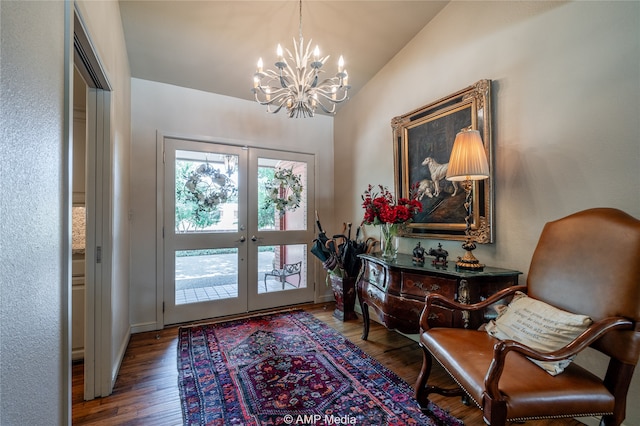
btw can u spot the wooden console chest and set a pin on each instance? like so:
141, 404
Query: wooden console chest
396, 291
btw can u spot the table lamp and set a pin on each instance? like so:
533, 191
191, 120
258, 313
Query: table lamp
468, 163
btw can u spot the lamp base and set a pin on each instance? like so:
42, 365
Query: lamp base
469, 261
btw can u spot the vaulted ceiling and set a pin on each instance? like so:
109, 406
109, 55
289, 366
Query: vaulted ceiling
214, 45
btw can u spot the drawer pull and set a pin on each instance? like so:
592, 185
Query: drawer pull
464, 297
427, 288
373, 295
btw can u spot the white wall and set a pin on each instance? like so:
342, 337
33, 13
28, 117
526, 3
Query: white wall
566, 98
34, 345
157, 107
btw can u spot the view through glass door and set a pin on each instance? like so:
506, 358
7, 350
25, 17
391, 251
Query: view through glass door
236, 229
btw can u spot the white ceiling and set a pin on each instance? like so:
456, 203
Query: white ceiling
214, 45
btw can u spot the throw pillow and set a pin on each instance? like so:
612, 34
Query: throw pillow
538, 325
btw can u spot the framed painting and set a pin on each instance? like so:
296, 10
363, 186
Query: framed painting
422, 141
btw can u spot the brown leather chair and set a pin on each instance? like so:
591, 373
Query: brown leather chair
587, 263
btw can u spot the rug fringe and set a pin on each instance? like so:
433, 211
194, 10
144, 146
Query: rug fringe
248, 315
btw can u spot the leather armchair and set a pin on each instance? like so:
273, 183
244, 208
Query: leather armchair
587, 263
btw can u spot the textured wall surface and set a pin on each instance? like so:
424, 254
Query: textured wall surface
32, 305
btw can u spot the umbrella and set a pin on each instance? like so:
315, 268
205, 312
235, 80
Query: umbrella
333, 263
349, 250
319, 246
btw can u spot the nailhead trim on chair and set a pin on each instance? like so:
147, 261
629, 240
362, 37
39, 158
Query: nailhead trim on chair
522, 419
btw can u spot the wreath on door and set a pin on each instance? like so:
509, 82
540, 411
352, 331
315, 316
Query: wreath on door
207, 187
284, 191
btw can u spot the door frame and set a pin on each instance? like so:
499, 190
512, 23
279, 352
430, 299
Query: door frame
98, 380
160, 138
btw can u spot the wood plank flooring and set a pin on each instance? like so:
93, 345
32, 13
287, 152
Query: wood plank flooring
146, 391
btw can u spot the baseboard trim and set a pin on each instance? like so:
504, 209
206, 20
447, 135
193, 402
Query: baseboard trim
119, 358
145, 326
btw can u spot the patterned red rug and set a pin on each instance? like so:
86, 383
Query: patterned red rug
289, 369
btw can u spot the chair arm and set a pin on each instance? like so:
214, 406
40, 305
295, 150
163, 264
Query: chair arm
435, 299
586, 338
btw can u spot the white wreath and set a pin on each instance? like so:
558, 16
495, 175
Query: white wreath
284, 191
208, 188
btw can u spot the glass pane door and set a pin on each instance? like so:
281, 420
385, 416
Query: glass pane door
282, 192
204, 234
236, 229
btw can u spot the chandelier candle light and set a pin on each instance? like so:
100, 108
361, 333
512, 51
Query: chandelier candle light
468, 162
296, 83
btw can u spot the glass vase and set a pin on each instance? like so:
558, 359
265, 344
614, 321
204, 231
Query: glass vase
388, 233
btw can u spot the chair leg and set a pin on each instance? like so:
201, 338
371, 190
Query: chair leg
422, 389
494, 412
609, 421
420, 392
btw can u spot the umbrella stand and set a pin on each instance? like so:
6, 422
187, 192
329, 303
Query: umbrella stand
339, 256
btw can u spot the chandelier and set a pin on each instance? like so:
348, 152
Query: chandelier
296, 84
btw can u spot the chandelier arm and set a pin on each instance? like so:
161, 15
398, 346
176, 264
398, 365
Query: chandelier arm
278, 99
268, 77
328, 111
275, 111
333, 81
329, 97
327, 86
273, 91
275, 98
283, 82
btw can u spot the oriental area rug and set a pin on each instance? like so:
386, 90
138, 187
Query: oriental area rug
289, 368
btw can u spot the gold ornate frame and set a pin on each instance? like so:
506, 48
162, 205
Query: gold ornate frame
429, 132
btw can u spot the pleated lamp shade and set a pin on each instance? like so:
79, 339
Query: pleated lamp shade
468, 159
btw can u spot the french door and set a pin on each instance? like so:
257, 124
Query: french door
237, 224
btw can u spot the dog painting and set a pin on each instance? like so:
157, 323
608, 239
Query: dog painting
438, 172
423, 140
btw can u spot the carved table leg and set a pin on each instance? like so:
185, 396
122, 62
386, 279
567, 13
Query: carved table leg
365, 320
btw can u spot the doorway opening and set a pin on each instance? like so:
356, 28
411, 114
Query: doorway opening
234, 234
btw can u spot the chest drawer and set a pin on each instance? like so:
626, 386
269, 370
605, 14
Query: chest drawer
376, 275
418, 286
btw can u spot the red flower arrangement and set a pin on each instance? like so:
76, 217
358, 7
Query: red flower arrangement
380, 207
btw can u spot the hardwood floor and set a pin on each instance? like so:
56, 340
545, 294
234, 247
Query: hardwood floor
146, 391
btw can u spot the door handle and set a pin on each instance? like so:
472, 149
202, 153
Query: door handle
254, 238
243, 239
